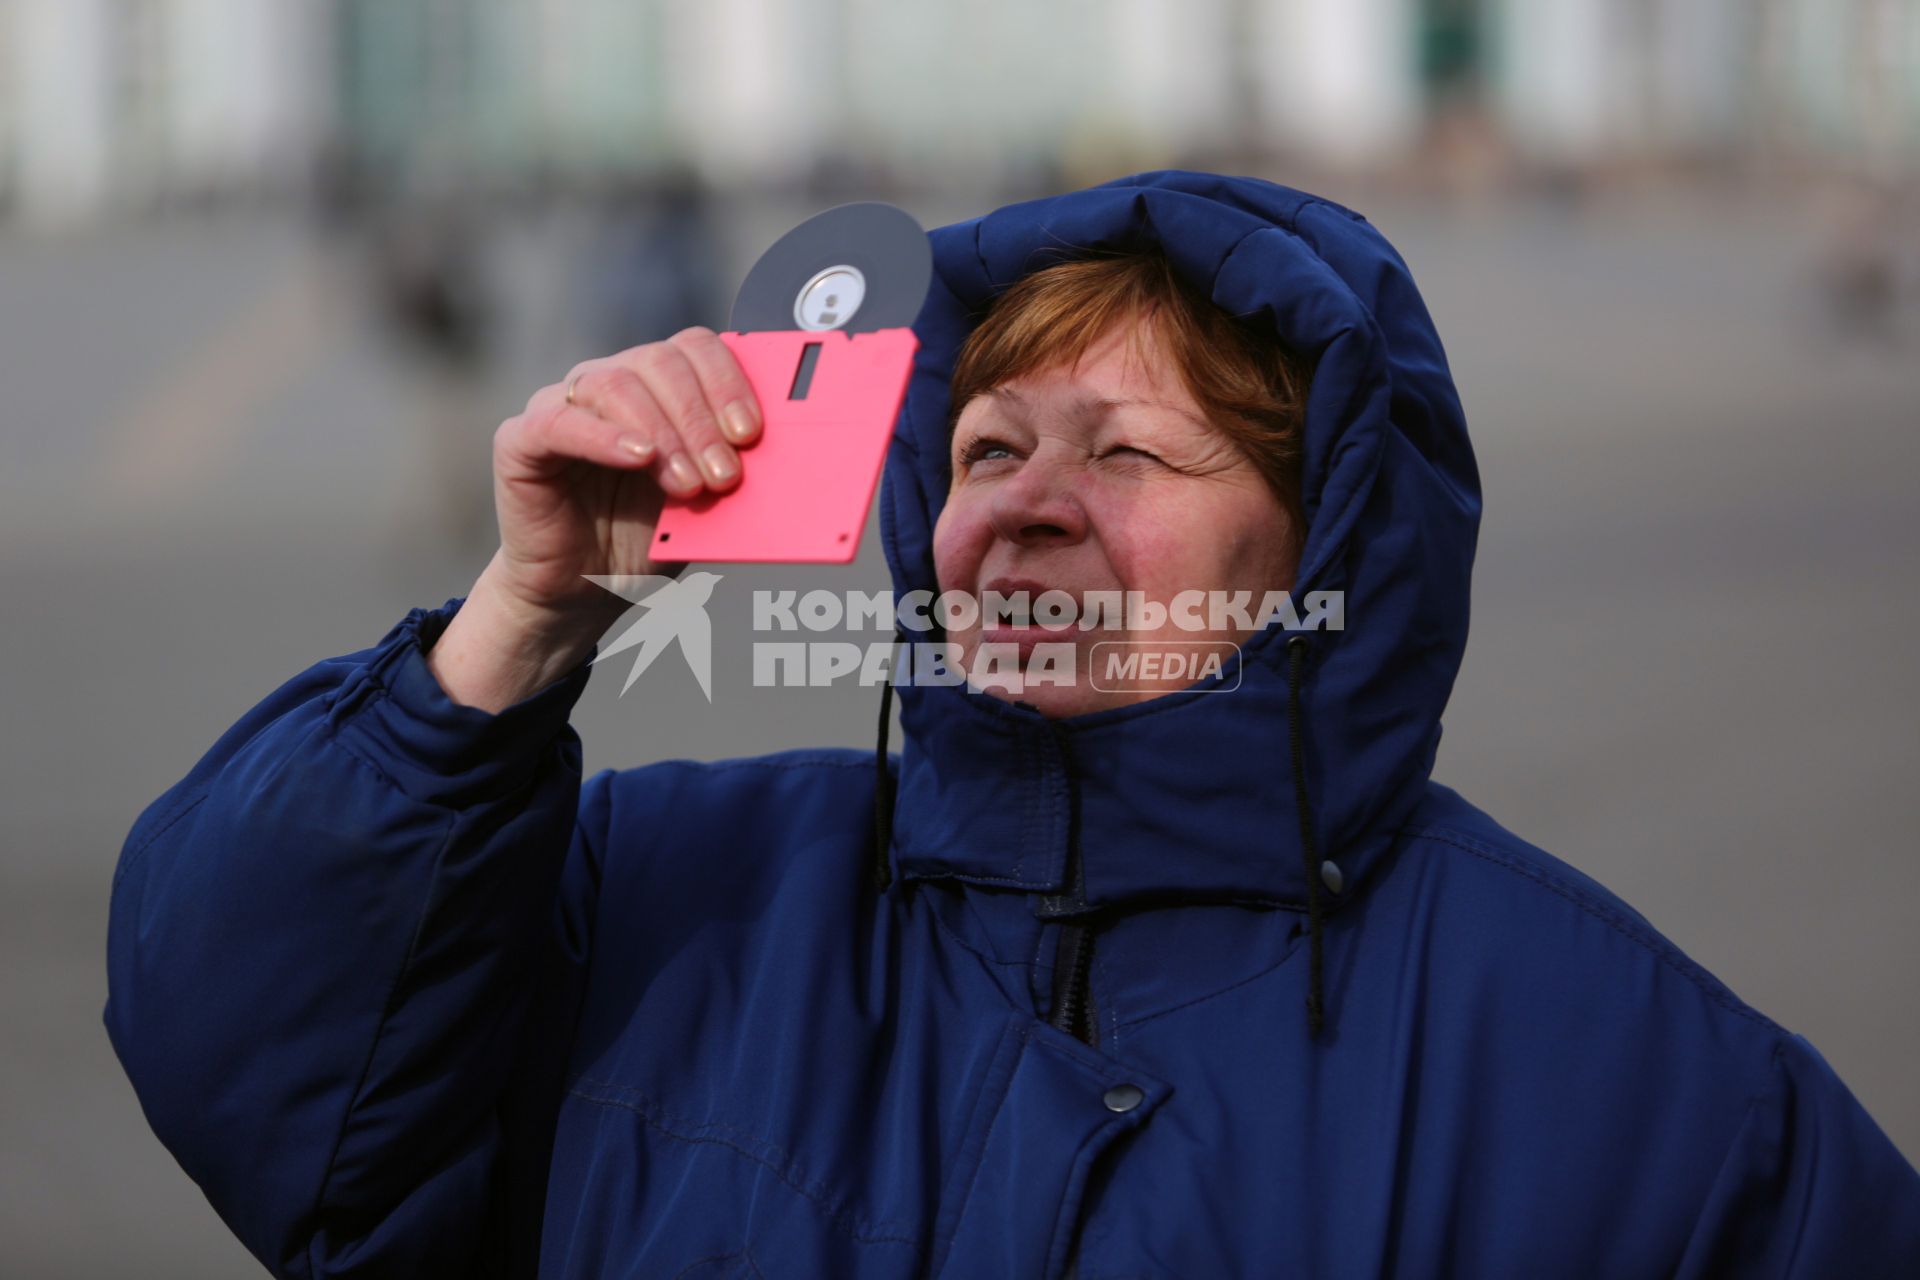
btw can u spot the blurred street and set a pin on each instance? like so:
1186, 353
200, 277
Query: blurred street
1691, 673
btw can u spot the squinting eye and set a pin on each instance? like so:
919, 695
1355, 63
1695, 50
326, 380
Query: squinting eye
1127, 448
978, 449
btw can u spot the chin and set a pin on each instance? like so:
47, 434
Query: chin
1057, 702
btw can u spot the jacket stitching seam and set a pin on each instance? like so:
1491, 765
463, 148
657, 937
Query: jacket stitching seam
986, 1139
1037, 800
685, 1271
1041, 937
656, 1116
970, 878
138, 854
687, 1121
1753, 1102
1292, 951
744, 1253
984, 1093
1107, 985
841, 1218
1096, 1064
376, 677
1033, 803
380, 1029
1237, 245
1722, 997
134, 857
332, 733
1774, 1070
958, 941
1061, 1219
1320, 202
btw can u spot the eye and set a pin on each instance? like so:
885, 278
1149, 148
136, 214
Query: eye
979, 447
1127, 450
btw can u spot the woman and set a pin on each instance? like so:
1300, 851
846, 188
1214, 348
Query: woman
1149, 982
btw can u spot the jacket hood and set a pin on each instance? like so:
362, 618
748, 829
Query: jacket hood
1187, 796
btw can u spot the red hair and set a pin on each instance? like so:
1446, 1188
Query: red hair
1247, 384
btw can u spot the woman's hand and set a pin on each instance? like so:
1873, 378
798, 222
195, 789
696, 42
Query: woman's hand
578, 489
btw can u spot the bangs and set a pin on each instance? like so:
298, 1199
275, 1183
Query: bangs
1247, 384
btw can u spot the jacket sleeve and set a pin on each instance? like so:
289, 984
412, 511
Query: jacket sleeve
1811, 1187
343, 957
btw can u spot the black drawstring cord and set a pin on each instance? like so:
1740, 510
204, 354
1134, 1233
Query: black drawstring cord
1296, 658
883, 783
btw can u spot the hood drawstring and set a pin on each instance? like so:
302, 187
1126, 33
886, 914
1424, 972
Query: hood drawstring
1296, 659
883, 781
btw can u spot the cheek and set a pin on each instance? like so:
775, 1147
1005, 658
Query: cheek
1196, 541
1147, 557
1154, 544
957, 544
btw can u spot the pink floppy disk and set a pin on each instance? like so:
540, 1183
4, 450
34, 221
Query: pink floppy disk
821, 330
829, 401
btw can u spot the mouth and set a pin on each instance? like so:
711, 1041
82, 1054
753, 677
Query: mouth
1024, 639
1022, 594
1018, 625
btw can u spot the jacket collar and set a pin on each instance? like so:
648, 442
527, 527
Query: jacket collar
1185, 798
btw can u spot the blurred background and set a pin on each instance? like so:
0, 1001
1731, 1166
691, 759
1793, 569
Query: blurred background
272, 274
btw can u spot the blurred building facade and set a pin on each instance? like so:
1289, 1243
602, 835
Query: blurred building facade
110, 105
117, 106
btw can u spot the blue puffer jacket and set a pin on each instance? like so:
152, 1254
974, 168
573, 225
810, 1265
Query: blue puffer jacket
1203, 987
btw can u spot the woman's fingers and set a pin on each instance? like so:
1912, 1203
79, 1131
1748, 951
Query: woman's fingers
672, 406
668, 377
549, 432
723, 382
618, 396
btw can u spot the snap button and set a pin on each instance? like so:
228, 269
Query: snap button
1124, 1097
1330, 876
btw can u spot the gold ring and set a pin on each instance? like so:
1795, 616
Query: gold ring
573, 382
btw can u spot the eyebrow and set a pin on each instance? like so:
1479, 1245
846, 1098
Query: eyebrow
1097, 405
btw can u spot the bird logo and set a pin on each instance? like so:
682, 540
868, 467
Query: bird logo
676, 609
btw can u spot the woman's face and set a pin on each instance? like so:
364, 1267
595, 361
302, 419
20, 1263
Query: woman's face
1105, 477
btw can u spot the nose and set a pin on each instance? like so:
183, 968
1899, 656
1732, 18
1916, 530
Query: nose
1038, 504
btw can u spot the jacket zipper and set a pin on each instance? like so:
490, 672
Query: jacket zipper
1073, 949
1073, 1007
1072, 984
